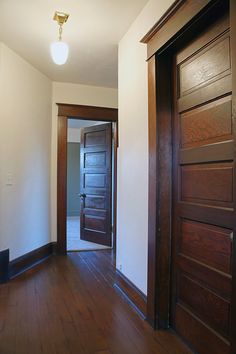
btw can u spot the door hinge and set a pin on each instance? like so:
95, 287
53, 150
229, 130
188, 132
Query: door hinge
231, 236
112, 228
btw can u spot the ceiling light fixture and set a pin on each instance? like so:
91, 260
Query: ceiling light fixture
59, 49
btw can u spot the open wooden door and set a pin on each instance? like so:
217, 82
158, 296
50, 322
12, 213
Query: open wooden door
95, 184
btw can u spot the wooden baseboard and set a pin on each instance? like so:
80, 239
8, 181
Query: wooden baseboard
29, 260
4, 266
132, 294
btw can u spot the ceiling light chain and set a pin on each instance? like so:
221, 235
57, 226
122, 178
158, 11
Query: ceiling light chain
60, 31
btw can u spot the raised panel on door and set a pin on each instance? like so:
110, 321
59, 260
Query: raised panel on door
210, 64
208, 244
205, 303
203, 184
213, 183
96, 179
207, 124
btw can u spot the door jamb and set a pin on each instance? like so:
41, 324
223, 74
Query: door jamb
176, 25
65, 112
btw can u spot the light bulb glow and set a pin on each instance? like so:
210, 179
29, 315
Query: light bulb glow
59, 52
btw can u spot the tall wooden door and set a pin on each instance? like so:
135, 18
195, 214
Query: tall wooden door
95, 184
203, 184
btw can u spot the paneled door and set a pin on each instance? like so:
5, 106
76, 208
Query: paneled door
203, 184
96, 184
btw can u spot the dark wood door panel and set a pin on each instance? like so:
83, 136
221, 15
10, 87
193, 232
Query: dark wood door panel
203, 191
209, 244
94, 223
96, 236
207, 124
204, 95
214, 31
207, 184
96, 162
95, 201
216, 152
95, 138
95, 180
207, 305
208, 65
95, 159
199, 336
217, 281
218, 216
206, 75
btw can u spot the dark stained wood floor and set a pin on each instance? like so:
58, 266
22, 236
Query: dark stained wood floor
67, 305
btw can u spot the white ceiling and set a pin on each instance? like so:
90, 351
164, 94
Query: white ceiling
93, 31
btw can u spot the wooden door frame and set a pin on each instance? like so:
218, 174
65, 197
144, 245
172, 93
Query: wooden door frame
80, 112
177, 25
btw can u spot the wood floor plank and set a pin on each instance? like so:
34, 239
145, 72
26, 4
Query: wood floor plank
68, 305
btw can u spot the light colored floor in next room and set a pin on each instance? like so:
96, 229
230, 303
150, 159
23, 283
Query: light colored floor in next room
74, 243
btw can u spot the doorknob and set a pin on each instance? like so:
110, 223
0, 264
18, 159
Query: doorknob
82, 195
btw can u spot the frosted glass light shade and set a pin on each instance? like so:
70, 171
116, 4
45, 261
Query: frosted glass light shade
59, 52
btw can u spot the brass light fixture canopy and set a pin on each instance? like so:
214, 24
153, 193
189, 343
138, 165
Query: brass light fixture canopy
60, 49
60, 17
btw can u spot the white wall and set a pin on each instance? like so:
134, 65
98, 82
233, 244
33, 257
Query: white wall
73, 94
25, 131
73, 135
132, 220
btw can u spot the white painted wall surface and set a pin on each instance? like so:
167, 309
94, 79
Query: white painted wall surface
132, 220
25, 133
73, 135
73, 94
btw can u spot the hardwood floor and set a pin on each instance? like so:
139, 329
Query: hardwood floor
67, 305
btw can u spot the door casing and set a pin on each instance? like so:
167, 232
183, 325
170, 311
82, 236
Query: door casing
66, 112
177, 26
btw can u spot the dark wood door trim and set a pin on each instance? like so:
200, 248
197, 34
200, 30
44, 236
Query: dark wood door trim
61, 183
65, 112
152, 193
160, 155
174, 20
87, 112
233, 64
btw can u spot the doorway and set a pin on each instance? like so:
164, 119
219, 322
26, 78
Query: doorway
93, 220
90, 157
202, 185
192, 174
